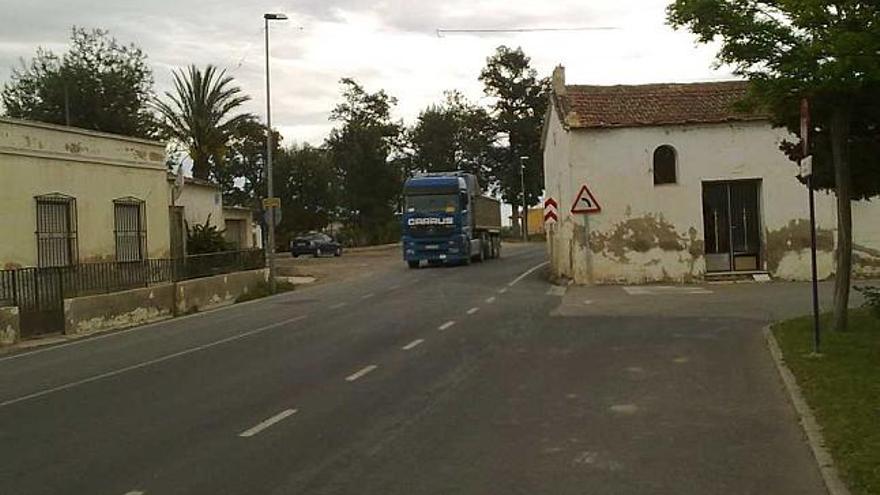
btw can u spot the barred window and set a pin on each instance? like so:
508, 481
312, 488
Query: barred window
131, 229
56, 230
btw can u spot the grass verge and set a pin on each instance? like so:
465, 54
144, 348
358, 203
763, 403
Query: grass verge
842, 386
262, 290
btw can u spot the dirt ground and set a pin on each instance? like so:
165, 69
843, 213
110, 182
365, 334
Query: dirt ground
353, 263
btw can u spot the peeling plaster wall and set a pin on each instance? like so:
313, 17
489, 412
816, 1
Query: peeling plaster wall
9, 325
647, 233
128, 308
93, 167
221, 290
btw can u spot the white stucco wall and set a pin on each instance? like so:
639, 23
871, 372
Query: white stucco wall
199, 201
654, 233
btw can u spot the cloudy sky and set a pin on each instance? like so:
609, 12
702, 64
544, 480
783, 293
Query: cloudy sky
390, 44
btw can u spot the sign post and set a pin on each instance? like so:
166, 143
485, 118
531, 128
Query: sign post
806, 171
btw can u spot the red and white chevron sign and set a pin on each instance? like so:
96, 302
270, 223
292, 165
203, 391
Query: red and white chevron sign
551, 213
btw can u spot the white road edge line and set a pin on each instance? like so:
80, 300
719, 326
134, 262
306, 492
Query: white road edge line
151, 362
265, 424
446, 325
413, 344
473, 310
527, 273
490, 300
354, 376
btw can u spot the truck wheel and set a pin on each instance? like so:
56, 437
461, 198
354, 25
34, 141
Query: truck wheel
496, 243
413, 264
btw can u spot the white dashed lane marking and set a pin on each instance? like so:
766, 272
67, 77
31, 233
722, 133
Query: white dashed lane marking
490, 300
472, 310
338, 305
446, 325
358, 374
367, 296
413, 344
265, 424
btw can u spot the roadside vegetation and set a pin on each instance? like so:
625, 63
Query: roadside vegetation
842, 386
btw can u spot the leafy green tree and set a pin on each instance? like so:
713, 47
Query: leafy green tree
823, 50
199, 114
97, 84
455, 135
361, 151
243, 175
518, 113
308, 185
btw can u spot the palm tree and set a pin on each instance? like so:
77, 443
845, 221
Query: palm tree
197, 115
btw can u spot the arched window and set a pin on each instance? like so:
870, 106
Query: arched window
664, 165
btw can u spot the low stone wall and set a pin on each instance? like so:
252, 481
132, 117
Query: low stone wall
213, 292
9, 325
118, 309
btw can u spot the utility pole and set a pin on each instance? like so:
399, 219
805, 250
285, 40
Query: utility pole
523, 219
270, 249
807, 172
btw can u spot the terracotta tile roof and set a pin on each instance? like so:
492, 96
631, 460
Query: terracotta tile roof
653, 104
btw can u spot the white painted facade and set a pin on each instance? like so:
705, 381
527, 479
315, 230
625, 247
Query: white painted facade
647, 232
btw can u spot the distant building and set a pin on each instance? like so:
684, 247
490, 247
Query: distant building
201, 201
688, 187
70, 195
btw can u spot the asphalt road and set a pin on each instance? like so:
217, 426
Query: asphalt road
478, 380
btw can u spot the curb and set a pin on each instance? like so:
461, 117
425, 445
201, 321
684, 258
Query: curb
807, 419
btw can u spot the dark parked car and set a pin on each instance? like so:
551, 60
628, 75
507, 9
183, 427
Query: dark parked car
315, 244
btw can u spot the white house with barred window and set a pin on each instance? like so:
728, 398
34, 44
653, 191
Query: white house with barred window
686, 188
71, 195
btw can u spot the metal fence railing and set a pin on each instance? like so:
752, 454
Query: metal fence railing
7, 288
104, 277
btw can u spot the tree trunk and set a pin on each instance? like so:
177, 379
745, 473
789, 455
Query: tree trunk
839, 138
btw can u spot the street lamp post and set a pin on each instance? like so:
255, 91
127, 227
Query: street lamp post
523, 219
270, 250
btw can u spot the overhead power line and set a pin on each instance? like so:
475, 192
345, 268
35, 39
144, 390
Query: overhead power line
441, 32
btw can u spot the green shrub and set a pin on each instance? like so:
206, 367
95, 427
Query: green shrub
205, 238
872, 299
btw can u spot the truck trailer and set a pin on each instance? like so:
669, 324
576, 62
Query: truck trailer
447, 220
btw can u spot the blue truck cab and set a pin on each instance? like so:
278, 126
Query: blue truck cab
447, 221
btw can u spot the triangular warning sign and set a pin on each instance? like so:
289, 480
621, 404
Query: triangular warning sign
585, 202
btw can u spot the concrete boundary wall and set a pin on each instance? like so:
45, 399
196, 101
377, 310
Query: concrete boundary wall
103, 312
128, 308
9, 325
221, 290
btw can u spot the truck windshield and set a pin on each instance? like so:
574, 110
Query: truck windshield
431, 203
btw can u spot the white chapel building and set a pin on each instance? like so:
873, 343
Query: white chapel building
686, 188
